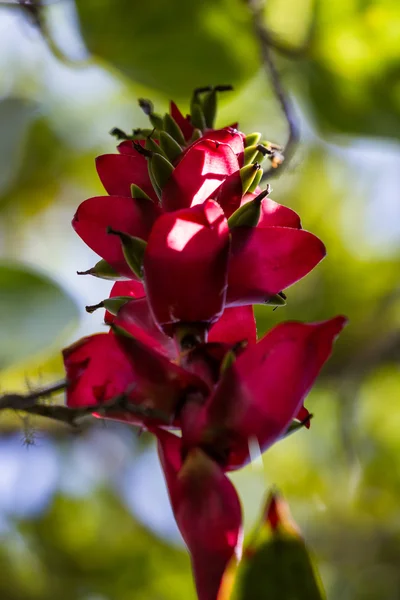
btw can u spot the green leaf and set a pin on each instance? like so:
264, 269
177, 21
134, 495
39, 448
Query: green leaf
172, 45
35, 313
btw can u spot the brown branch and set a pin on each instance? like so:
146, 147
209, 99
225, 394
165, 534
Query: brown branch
30, 403
264, 38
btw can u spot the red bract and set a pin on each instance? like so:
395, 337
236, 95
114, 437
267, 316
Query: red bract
201, 171
118, 171
260, 394
129, 215
188, 263
185, 265
207, 511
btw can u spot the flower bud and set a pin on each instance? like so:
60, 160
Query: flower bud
247, 175
147, 107
277, 300
197, 117
172, 127
252, 139
210, 108
102, 270
151, 145
170, 146
248, 214
256, 181
133, 249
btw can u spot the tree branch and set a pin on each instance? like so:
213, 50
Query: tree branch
30, 403
266, 43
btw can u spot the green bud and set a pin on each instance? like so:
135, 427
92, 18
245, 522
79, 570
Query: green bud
111, 304
210, 108
161, 168
148, 109
250, 154
151, 145
196, 135
133, 249
197, 117
102, 270
256, 181
138, 193
141, 134
172, 127
170, 147
247, 175
296, 425
252, 139
119, 134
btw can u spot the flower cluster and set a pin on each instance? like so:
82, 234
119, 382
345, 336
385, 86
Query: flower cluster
193, 243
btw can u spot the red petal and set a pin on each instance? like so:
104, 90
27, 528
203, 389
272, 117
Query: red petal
207, 511
118, 171
96, 371
268, 260
235, 324
185, 265
137, 318
183, 122
264, 390
230, 136
229, 195
200, 172
131, 288
274, 214
93, 216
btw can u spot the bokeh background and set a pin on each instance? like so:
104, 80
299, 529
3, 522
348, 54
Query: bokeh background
85, 515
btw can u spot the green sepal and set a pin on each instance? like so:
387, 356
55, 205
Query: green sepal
170, 146
252, 139
172, 127
196, 135
197, 117
153, 180
151, 145
277, 300
210, 108
256, 181
138, 193
111, 304
247, 175
162, 169
296, 425
147, 107
133, 249
249, 154
141, 134
102, 270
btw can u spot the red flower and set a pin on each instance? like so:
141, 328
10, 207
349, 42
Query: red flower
207, 511
188, 263
259, 395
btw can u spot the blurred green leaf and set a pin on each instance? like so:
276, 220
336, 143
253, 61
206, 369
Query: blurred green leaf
172, 45
356, 56
35, 313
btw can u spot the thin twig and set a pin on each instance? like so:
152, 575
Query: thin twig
30, 404
264, 37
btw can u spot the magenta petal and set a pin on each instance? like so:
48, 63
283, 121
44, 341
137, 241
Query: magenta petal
235, 324
185, 265
265, 388
207, 511
202, 169
118, 171
94, 215
274, 214
268, 260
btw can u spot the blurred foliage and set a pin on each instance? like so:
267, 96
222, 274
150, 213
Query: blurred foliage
341, 477
34, 313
